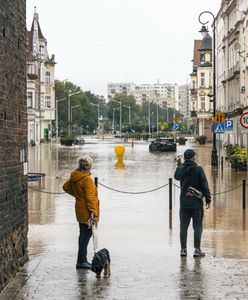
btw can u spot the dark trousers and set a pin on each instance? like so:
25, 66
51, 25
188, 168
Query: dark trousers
83, 241
185, 217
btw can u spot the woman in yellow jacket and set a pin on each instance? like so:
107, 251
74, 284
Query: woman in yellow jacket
81, 186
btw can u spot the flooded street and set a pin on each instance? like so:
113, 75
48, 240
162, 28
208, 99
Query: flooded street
137, 228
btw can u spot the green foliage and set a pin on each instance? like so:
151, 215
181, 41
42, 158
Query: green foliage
239, 155
85, 117
201, 139
230, 149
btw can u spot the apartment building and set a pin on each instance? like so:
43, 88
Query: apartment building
201, 84
40, 85
231, 65
166, 94
183, 99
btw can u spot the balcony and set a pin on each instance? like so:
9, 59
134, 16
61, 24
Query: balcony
32, 76
193, 114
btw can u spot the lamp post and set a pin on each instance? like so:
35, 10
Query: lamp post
98, 116
157, 118
71, 113
69, 109
214, 157
57, 116
120, 115
129, 117
114, 118
149, 118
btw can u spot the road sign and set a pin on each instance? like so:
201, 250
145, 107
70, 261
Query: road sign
219, 118
176, 119
219, 127
244, 120
229, 125
175, 126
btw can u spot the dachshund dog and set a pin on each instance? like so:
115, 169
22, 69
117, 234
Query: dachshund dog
100, 262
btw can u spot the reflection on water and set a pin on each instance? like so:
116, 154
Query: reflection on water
225, 223
192, 279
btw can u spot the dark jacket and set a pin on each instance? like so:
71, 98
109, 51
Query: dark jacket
190, 174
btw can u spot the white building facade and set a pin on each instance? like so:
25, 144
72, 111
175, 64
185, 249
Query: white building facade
40, 85
232, 66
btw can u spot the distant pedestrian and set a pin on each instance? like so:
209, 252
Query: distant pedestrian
194, 188
81, 186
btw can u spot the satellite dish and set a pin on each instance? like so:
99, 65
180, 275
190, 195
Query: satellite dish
236, 45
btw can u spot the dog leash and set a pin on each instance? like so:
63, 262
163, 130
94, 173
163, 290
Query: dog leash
94, 235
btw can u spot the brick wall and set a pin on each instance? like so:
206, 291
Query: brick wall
13, 139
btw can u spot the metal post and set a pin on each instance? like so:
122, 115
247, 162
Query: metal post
120, 115
69, 110
214, 156
244, 193
170, 193
222, 163
69, 114
157, 118
149, 118
120, 120
57, 117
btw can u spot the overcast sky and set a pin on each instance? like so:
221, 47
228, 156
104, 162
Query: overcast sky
96, 42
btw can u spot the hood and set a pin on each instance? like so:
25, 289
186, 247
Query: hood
77, 175
188, 167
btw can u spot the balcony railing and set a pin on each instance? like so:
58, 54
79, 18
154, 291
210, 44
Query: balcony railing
193, 114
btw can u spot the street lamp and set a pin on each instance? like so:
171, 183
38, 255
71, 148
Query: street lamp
149, 117
57, 116
98, 116
120, 115
114, 118
129, 112
214, 157
69, 111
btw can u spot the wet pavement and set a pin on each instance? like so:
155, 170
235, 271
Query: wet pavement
138, 229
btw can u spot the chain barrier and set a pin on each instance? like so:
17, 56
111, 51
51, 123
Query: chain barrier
124, 192
45, 192
107, 187
132, 193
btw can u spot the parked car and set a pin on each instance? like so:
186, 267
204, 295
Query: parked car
163, 144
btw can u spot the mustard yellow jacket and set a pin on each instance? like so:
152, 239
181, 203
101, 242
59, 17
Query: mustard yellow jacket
81, 186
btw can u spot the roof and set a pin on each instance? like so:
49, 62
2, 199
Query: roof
196, 55
36, 18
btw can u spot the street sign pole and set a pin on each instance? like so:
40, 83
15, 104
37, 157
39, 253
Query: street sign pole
219, 127
244, 124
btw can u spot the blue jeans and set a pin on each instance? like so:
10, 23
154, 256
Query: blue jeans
185, 217
83, 241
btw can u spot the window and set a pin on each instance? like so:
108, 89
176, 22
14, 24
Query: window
210, 79
202, 79
48, 78
47, 101
203, 108
30, 99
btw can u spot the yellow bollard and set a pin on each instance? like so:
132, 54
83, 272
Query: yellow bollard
119, 152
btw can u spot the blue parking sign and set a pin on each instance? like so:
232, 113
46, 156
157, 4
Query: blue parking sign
229, 125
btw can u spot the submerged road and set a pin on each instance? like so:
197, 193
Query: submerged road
138, 229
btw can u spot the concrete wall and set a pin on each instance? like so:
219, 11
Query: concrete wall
13, 139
